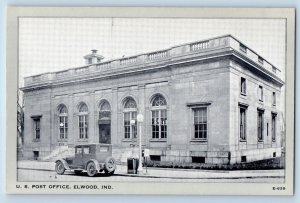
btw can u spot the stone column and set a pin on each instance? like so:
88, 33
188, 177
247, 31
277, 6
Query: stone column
71, 121
91, 124
114, 130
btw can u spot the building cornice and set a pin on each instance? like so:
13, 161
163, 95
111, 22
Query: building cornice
195, 52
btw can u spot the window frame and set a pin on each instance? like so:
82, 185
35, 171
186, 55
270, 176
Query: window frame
273, 126
132, 112
63, 118
194, 109
274, 98
162, 124
244, 137
243, 86
260, 125
260, 93
37, 128
84, 119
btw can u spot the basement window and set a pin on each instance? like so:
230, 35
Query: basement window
154, 157
243, 159
198, 159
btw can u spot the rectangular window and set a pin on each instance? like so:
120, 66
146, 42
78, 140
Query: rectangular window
243, 48
242, 124
133, 126
260, 93
130, 129
78, 150
260, 60
200, 123
274, 127
273, 69
86, 150
243, 86
274, 99
37, 128
243, 159
63, 127
260, 125
159, 122
155, 158
163, 123
103, 149
127, 125
198, 159
83, 126
155, 124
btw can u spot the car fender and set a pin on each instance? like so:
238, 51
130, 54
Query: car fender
95, 162
66, 165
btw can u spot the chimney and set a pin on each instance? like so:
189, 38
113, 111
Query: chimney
93, 58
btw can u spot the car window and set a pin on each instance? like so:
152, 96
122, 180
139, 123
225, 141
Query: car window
78, 150
103, 149
86, 150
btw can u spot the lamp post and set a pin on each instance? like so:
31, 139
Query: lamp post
140, 119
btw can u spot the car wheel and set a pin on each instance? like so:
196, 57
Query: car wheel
91, 169
110, 165
59, 168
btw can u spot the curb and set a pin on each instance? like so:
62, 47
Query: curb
190, 178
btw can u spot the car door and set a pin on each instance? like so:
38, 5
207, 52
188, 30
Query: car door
87, 154
78, 161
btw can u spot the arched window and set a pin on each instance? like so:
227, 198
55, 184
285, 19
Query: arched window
159, 117
104, 113
130, 112
83, 121
63, 121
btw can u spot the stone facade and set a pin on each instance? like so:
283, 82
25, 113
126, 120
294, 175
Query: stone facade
187, 88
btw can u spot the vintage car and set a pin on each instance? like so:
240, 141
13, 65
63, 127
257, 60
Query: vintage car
92, 158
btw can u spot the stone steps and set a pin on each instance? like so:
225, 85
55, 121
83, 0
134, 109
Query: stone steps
121, 154
59, 152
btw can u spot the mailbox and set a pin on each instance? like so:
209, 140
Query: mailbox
132, 165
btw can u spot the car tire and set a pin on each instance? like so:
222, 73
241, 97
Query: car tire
110, 165
91, 169
60, 168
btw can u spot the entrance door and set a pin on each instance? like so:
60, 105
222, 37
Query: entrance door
104, 133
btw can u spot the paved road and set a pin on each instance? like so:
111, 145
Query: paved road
50, 175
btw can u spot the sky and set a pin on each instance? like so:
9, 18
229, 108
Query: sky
53, 44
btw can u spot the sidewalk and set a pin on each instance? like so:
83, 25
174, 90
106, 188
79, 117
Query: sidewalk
170, 172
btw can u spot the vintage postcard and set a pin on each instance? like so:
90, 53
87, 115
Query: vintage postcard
150, 101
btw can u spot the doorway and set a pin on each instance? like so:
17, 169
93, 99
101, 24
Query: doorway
104, 134
104, 122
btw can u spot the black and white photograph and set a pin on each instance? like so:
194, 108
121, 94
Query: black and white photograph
151, 100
